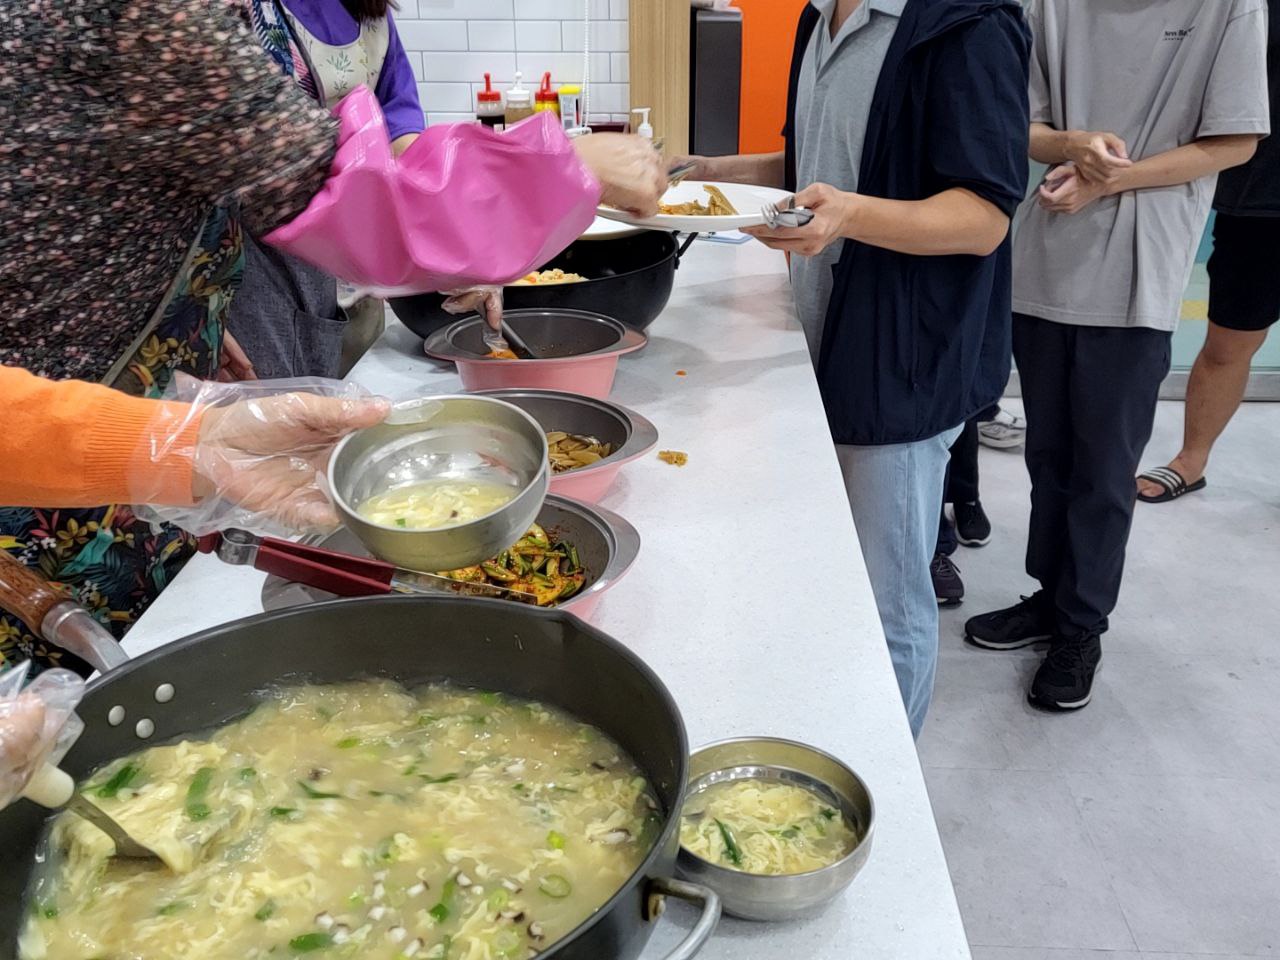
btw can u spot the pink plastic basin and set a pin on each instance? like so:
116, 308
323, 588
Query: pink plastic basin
630, 434
579, 352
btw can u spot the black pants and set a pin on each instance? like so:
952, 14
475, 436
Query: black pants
962, 479
1090, 395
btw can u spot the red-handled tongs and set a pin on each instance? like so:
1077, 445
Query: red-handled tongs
339, 573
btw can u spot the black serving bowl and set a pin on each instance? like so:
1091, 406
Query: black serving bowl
628, 278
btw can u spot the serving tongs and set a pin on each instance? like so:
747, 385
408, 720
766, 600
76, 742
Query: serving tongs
340, 573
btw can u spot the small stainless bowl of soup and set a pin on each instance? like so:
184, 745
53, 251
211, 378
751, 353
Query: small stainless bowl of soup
777, 828
444, 482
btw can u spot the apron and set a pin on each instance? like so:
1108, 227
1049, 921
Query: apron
111, 563
289, 317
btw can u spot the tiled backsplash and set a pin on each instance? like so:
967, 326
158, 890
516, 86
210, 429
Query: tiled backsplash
453, 43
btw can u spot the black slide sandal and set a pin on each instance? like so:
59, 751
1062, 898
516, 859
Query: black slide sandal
1171, 483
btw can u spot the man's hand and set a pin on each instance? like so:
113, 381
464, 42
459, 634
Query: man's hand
1065, 191
1098, 157
833, 215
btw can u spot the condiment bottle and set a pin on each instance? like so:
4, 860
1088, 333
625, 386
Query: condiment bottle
546, 99
571, 106
644, 129
519, 102
489, 109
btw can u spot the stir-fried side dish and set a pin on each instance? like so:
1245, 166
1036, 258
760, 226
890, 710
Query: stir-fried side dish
571, 450
432, 504
543, 278
357, 820
717, 205
538, 564
765, 827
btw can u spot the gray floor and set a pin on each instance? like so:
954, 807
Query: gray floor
1148, 824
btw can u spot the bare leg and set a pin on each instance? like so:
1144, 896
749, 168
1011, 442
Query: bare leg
1214, 391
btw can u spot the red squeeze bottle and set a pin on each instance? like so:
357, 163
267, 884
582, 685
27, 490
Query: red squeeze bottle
546, 99
489, 108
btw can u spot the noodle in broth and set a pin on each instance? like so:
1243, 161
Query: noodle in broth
356, 820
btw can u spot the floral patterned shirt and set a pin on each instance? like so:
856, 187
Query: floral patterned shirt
122, 124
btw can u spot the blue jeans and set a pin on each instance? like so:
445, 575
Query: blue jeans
894, 492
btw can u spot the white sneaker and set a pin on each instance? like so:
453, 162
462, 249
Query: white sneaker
1006, 431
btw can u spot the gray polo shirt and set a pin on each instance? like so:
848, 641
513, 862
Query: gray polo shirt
833, 101
1160, 75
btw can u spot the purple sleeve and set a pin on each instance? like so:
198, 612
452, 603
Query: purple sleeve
397, 89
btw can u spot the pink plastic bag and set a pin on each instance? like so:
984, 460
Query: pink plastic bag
463, 206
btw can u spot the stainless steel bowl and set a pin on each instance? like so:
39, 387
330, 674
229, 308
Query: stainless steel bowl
756, 897
443, 438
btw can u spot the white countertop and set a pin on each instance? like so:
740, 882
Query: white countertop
749, 597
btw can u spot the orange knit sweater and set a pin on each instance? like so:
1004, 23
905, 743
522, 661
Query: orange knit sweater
78, 444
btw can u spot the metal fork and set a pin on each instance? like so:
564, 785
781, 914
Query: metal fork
785, 214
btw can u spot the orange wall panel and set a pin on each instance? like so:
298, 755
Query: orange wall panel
768, 34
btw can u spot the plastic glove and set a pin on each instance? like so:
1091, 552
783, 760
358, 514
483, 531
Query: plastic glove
486, 301
462, 206
260, 453
38, 725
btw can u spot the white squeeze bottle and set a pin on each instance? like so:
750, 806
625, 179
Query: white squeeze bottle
644, 129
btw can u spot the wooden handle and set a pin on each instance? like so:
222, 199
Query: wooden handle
25, 593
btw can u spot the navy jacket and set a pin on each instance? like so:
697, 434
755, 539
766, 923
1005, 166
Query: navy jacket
914, 346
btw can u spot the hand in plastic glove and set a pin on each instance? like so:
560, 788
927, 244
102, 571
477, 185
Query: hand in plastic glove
265, 455
486, 301
631, 172
37, 725
261, 452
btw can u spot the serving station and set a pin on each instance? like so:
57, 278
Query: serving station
748, 596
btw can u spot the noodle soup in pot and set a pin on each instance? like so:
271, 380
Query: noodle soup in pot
353, 820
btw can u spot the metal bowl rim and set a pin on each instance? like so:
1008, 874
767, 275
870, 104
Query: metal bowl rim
440, 344
341, 502
863, 840
624, 544
642, 435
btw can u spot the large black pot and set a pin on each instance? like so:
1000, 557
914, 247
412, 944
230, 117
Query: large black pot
630, 280
539, 654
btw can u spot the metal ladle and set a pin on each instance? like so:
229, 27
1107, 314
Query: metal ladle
53, 788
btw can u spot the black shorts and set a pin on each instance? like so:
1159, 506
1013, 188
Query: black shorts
1244, 272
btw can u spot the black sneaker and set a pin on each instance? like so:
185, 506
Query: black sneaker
1021, 625
973, 529
1065, 679
947, 585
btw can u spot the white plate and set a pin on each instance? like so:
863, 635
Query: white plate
602, 229
747, 200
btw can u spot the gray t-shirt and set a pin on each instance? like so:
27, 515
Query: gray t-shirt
833, 101
1159, 75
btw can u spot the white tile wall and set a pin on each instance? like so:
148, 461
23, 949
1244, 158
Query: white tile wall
453, 43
